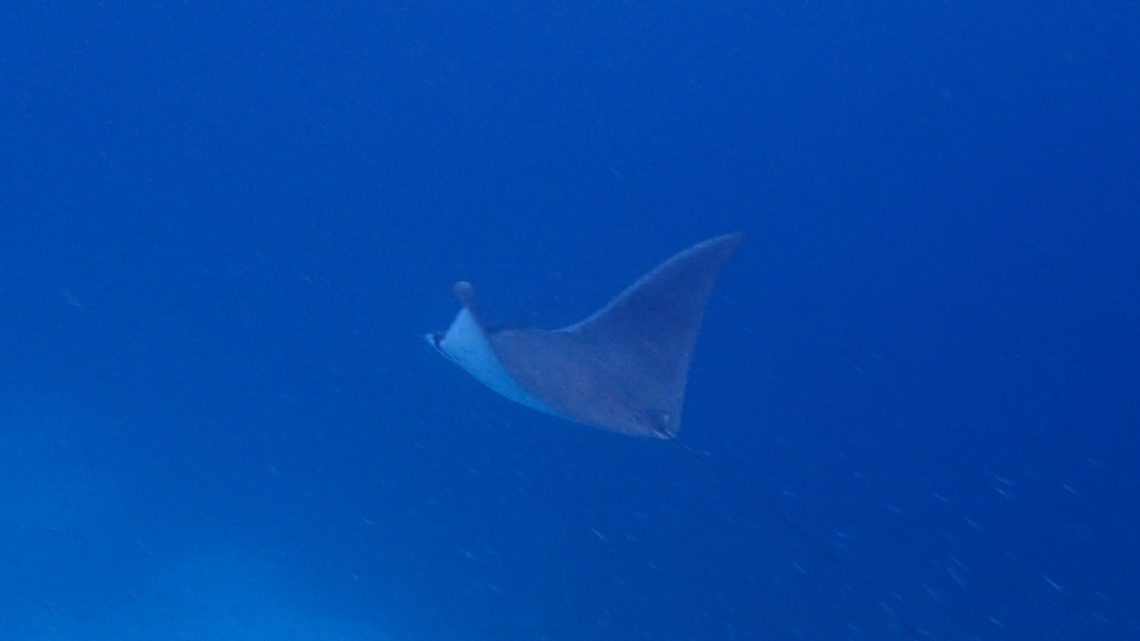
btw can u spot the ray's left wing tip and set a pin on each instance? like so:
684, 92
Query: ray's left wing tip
464, 292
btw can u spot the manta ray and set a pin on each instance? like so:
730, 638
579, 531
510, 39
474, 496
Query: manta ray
623, 368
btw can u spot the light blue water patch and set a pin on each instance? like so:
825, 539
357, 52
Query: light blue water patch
225, 596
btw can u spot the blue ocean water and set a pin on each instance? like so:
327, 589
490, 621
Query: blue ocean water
224, 227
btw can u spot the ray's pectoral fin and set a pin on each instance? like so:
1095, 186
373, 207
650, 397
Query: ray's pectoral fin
624, 368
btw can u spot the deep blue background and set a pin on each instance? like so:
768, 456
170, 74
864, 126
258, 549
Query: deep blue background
225, 225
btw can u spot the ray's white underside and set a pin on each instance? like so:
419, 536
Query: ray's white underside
466, 345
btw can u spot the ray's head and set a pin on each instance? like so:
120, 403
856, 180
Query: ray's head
434, 339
